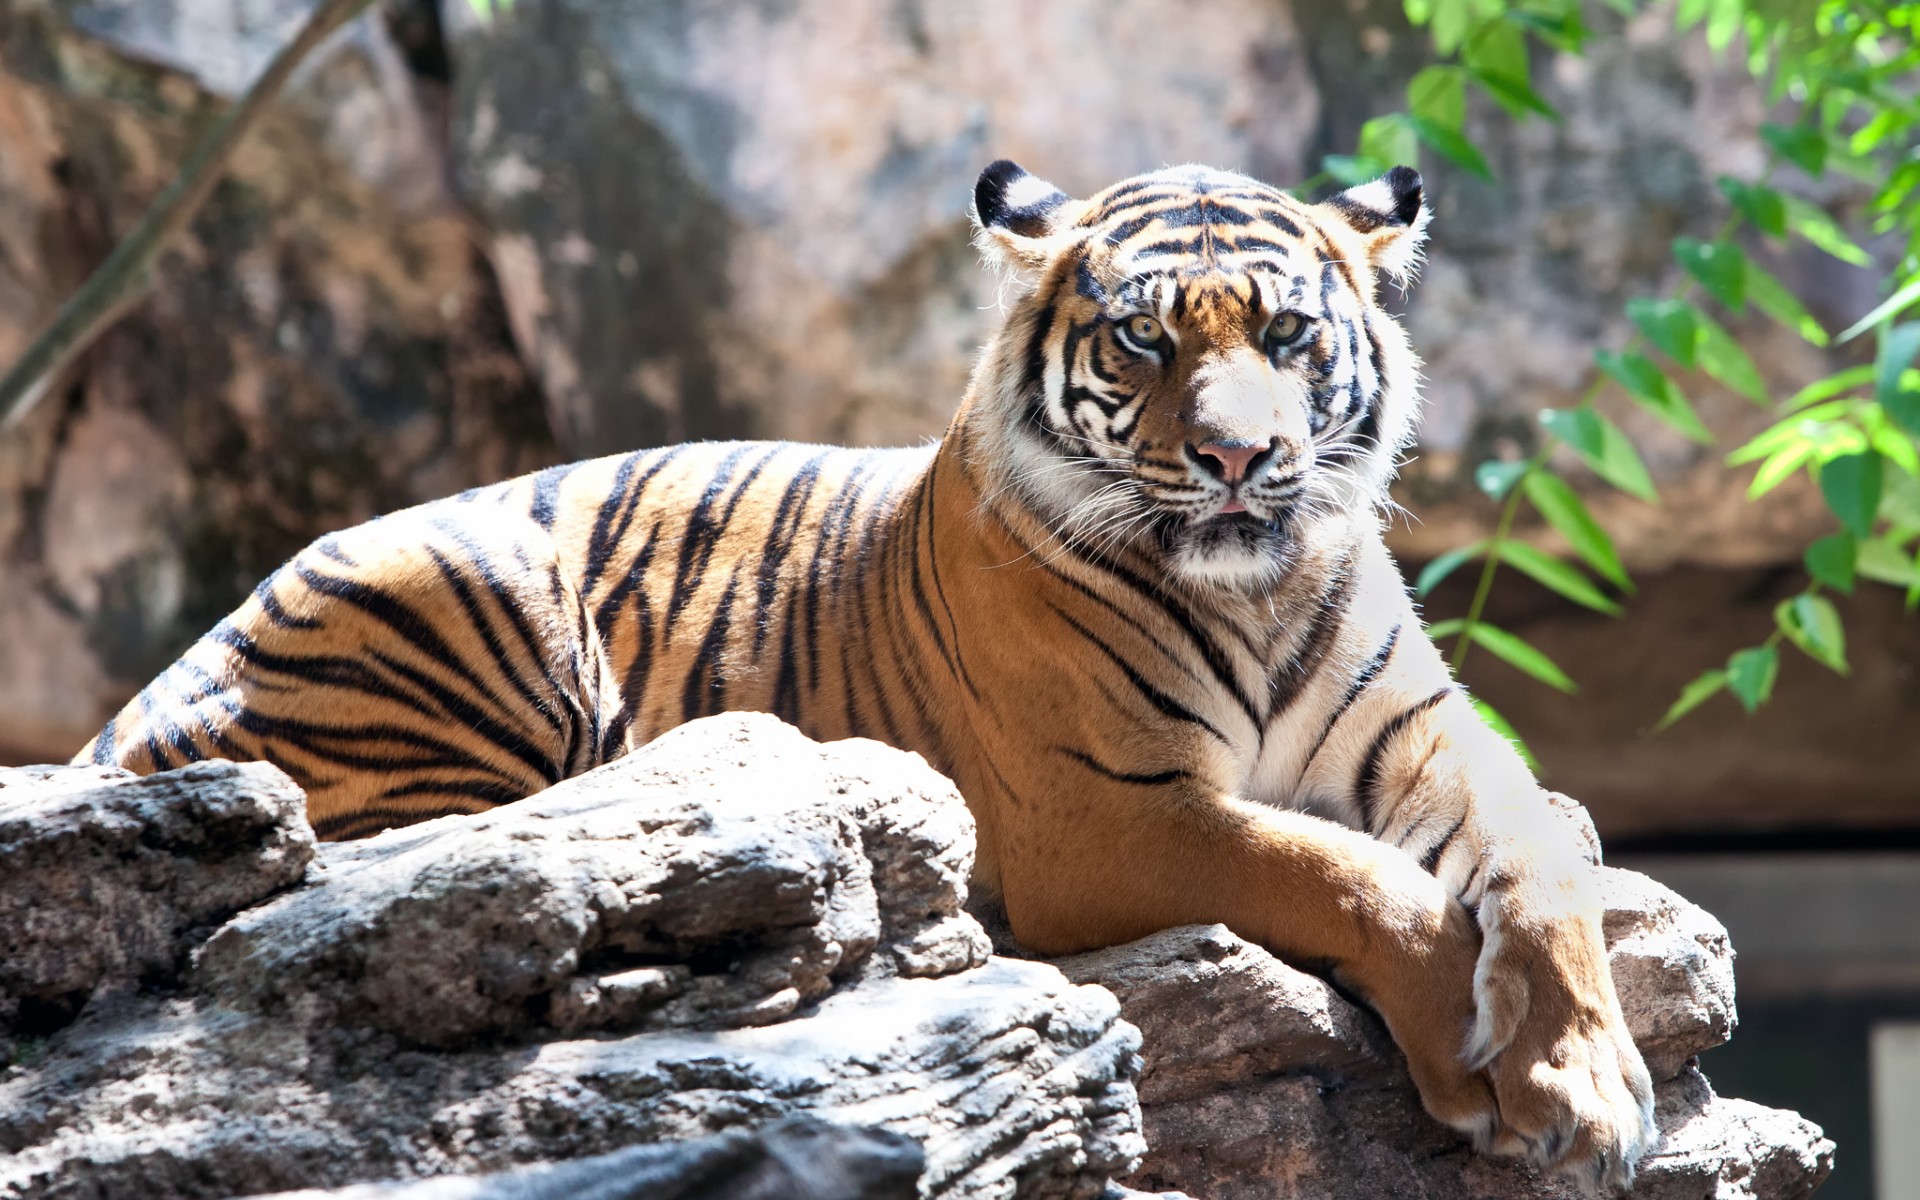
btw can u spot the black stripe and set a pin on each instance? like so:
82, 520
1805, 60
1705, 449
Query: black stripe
1367, 674
700, 534
1430, 861
103, 742
546, 494
781, 535
1286, 685
705, 689
270, 605
1154, 779
1368, 780
1149, 591
609, 531
1167, 705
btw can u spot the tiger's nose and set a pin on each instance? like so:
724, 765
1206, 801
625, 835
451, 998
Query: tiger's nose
1230, 462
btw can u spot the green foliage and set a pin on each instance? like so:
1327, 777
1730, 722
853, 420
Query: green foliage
1839, 75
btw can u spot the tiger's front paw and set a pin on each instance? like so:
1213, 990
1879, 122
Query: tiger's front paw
1574, 1096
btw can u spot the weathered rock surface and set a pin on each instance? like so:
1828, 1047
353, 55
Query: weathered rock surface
110, 879
795, 1158
731, 926
1262, 1081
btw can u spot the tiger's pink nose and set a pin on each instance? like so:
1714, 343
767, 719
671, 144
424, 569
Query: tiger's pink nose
1229, 461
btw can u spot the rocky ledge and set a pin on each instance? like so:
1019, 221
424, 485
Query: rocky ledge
736, 963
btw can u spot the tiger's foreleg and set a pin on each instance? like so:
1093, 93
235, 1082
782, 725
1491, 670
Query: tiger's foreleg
1104, 864
1425, 774
434, 661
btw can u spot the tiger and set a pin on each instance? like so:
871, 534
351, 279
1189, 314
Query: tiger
1136, 602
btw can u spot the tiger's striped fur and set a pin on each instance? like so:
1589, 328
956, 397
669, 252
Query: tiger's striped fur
1136, 603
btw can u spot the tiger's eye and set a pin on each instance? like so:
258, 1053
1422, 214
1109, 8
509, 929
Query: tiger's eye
1144, 330
1286, 329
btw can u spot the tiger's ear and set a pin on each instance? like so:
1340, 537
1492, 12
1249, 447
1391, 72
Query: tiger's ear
1015, 215
1391, 216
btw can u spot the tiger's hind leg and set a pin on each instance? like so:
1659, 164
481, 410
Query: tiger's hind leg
434, 661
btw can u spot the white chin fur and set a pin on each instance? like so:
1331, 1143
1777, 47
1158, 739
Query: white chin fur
1225, 565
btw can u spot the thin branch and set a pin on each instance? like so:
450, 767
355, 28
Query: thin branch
122, 279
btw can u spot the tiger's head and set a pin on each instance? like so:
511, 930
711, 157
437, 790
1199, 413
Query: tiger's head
1197, 364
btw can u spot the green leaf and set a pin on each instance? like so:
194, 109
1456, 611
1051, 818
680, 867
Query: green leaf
1451, 21
1771, 296
1516, 652
1724, 359
1851, 484
1898, 345
1719, 267
1604, 448
1889, 439
1445, 565
1551, 573
1831, 386
1893, 305
1497, 478
1438, 94
1668, 324
1563, 509
1750, 675
1802, 145
1904, 409
487, 10
1778, 468
1440, 631
1514, 96
1830, 560
1884, 562
1390, 139
1451, 145
1693, 696
1497, 56
1759, 204
1900, 500
1811, 623
1498, 48
1562, 30
1812, 223
1504, 728
1653, 391
1351, 170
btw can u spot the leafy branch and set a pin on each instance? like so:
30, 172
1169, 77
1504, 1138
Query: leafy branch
1841, 61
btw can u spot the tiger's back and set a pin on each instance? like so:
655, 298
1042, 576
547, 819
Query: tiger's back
471, 651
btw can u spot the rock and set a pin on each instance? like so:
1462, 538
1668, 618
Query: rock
732, 844
1672, 967
658, 179
1262, 1081
110, 879
796, 1158
728, 927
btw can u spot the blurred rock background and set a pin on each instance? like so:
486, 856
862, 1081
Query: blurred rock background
480, 237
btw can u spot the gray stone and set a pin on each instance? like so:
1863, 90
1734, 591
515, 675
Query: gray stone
1262, 1081
730, 926
110, 879
796, 1158
735, 843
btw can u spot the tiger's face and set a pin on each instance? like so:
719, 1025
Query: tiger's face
1197, 363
